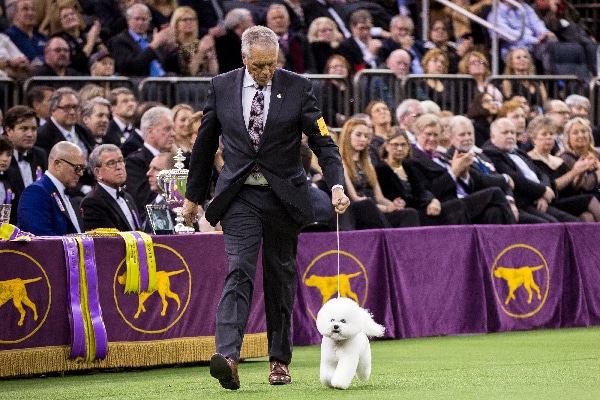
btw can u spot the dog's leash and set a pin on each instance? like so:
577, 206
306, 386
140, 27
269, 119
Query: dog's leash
337, 235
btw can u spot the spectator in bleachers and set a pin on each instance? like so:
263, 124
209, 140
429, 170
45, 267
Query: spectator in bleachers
161, 12
101, 63
6, 153
579, 106
37, 98
449, 179
445, 118
181, 114
563, 19
533, 191
519, 62
296, 13
435, 62
138, 53
212, 16
293, 45
24, 33
332, 91
122, 108
439, 38
369, 209
407, 113
28, 161
381, 121
380, 15
323, 40
91, 90
401, 37
95, 115
229, 45
333, 9
482, 112
558, 111
399, 63
197, 57
535, 39
324, 214
361, 49
194, 123
514, 111
578, 143
110, 13
566, 181
13, 62
476, 64
57, 57
67, 23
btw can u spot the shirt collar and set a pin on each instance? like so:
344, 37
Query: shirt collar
248, 81
111, 191
60, 187
63, 130
153, 150
137, 37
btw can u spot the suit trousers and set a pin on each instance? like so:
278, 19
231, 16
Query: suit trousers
255, 215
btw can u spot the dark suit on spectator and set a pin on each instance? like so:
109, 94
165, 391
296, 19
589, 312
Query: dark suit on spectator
137, 185
133, 143
229, 51
109, 13
46, 70
101, 210
352, 52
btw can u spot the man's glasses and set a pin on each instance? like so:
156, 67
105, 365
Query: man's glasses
69, 107
112, 164
76, 167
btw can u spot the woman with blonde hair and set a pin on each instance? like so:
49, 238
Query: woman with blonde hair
369, 209
323, 38
181, 117
519, 62
197, 57
435, 62
476, 64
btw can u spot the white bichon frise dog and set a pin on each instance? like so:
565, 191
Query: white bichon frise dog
345, 349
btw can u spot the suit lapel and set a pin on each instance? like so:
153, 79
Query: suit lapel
278, 89
58, 201
112, 203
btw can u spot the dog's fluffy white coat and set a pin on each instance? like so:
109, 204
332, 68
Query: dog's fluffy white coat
345, 349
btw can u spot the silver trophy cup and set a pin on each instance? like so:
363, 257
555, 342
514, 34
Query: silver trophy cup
173, 183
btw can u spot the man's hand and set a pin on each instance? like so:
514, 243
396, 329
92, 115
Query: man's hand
460, 164
339, 200
190, 211
434, 208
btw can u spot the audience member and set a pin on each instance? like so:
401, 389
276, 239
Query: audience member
323, 41
139, 54
122, 108
533, 191
407, 113
159, 136
181, 114
450, 178
95, 115
324, 214
293, 45
334, 93
482, 111
559, 112
389, 88
197, 57
361, 49
381, 121
333, 9
435, 62
445, 117
578, 143
161, 12
229, 45
6, 153
57, 58
562, 19
24, 33
110, 14
535, 38
212, 16
296, 13
579, 106
439, 39
518, 62
369, 209
37, 98
13, 62
476, 64
91, 90
162, 161
101, 63
401, 37
108, 205
45, 208
514, 111
28, 161
566, 182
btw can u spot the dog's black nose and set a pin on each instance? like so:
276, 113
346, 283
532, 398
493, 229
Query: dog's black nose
336, 327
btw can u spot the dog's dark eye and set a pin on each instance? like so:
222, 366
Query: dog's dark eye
343, 321
332, 319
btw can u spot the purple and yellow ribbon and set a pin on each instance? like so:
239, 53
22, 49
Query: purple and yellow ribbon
11, 232
140, 262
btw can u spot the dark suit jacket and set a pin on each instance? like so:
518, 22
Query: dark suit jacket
526, 191
109, 13
113, 134
46, 70
292, 111
101, 210
229, 51
313, 10
350, 50
133, 143
38, 165
39, 211
137, 165
49, 134
131, 60
392, 188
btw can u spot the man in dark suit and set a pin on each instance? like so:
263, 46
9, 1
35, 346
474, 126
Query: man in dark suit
293, 45
261, 194
159, 137
28, 162
44, 208
95, 114
108, 205
450, 179
361, 49
122, 108
533, 189
138, 54
229, 45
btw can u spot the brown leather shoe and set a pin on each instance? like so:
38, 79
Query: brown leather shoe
225, 370
280, 374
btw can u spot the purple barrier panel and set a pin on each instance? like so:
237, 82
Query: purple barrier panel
437, 284
585, 284
524, 267
363, 277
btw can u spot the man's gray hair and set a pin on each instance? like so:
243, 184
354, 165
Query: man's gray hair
576, 100
258, 36
403, 108
281, 7
88, 107
94, 158
402, 18
135, 7
235, 17
152, 117
57, 96
460, 119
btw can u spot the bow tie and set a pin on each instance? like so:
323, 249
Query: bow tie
2, 176
121, 193
28, 156
129, 130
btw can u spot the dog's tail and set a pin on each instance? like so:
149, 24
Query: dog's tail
370, 327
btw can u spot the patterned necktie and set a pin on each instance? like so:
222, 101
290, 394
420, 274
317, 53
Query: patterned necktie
255, 124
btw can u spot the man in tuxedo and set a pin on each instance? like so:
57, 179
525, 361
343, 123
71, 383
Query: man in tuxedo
450, 179
95, 115
137, 53
533, 189
37, 98
108, 205
45, 209
262, 193
159, 136
120, 127
28, 162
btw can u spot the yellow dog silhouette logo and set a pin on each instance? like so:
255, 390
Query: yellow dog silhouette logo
15, 289
328, 285
163, 287
517, 277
